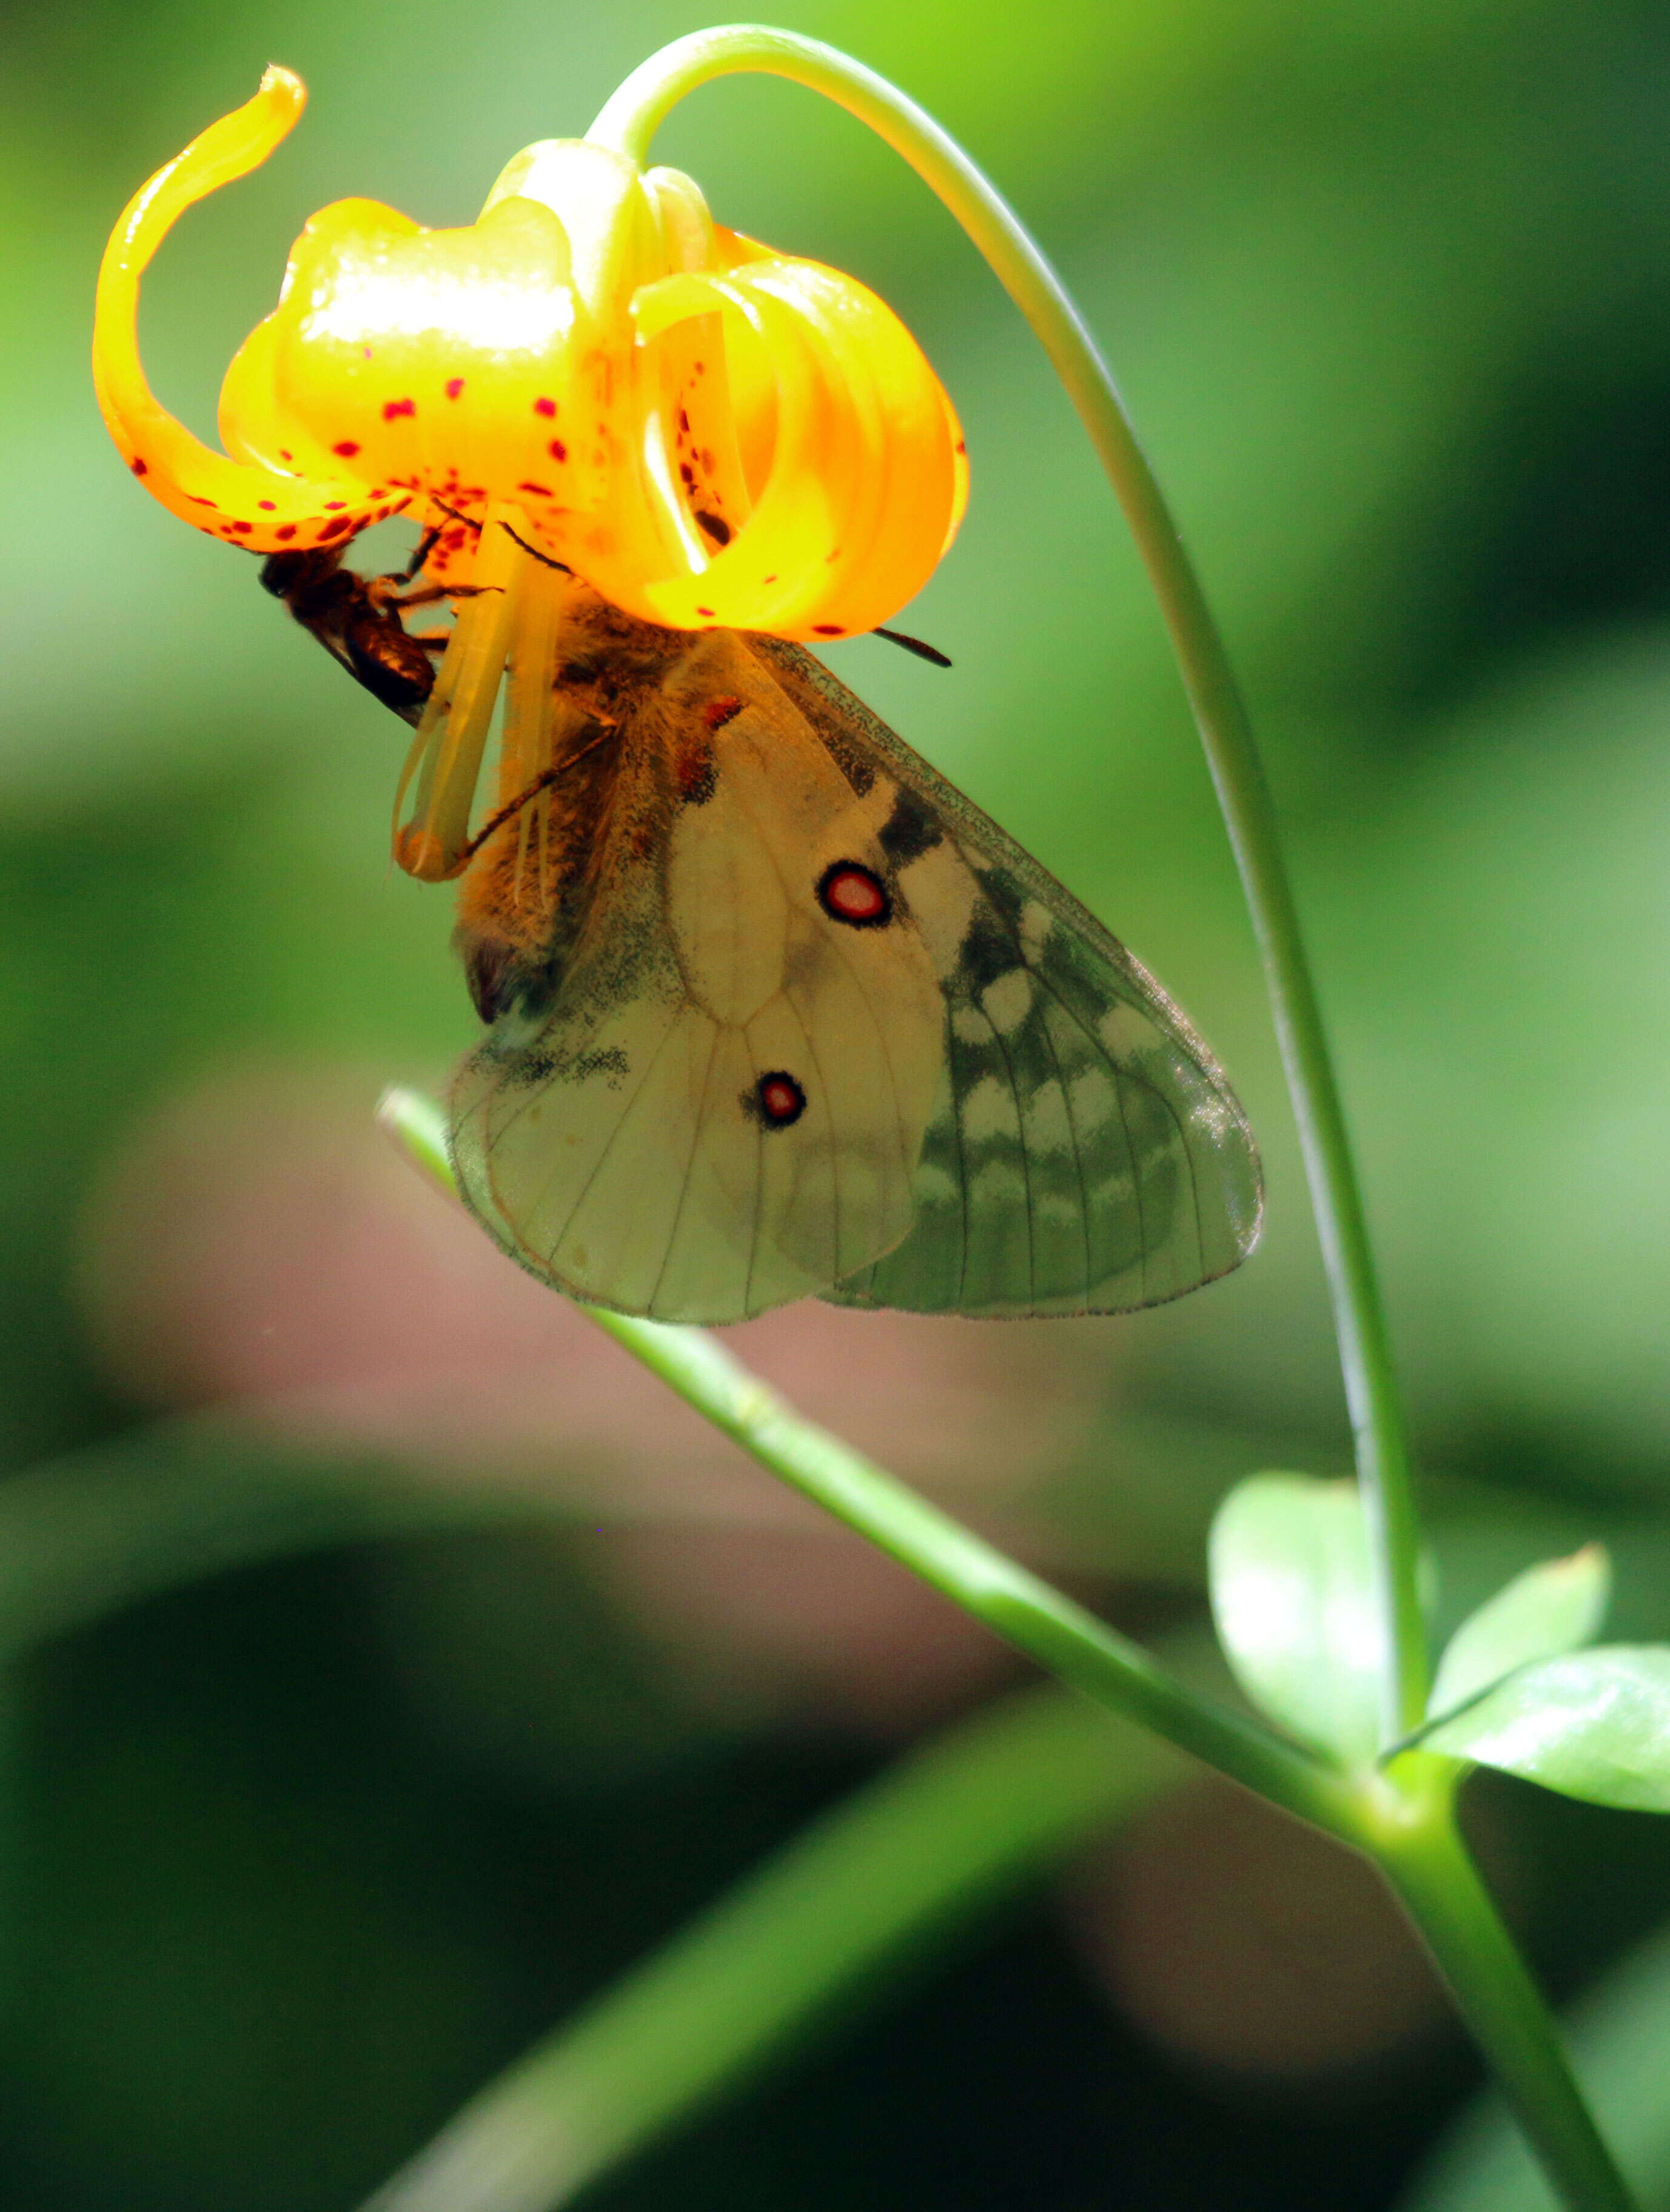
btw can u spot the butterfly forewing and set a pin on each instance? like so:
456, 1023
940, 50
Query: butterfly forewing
1085, 1153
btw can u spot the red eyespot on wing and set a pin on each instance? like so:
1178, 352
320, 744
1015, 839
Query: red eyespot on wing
777, 1100
848, 891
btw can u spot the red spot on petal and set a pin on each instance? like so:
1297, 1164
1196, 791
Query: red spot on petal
539, 491
770, 578
558, 451
197, 500
139, 467
335, 506
454, 386
392, 408
242, 529
268, 505
336, 529
347, 447
827, 630
286, 531
544, 407
706, 610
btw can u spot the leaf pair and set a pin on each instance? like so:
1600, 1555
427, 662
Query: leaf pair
1293, 1595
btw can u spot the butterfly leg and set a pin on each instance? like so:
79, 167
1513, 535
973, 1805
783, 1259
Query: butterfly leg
542, 782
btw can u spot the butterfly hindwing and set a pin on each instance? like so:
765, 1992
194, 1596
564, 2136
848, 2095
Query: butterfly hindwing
1085, 1152
720, 1102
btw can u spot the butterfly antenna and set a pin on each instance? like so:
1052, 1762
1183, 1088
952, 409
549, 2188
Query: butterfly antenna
923, 652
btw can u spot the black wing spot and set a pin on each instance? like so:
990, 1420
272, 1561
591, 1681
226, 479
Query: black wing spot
986, 952
910, 830
849, 892
859, 770
776, 1102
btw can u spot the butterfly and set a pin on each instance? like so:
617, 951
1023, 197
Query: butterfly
775, 1010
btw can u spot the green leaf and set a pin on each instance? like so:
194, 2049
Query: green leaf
1592, 1724
1293, 1596
1554, 1607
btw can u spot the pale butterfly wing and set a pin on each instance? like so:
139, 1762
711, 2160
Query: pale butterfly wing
618, 1140
1085, 1153
817, 1025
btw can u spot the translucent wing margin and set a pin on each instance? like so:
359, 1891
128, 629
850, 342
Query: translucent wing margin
1085, 1153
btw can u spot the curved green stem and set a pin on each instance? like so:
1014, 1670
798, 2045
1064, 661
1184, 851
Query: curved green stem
1428, 1864
948, 1831
628, 123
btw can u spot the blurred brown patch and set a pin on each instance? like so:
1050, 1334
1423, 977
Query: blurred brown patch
1252, 1945
256, 1241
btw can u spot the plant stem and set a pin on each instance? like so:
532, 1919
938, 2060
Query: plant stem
944, 1831
1020, 1607
1430, 1868
627, 122
1016, 1605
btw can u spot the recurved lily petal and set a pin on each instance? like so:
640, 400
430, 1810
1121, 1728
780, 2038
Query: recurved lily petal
264, 509
864, 480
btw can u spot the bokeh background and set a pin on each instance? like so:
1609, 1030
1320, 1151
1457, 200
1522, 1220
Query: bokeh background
294, 1859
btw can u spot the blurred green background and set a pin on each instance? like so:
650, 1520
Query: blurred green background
293, 1860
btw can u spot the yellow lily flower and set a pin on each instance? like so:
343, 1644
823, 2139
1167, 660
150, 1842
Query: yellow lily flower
708, 432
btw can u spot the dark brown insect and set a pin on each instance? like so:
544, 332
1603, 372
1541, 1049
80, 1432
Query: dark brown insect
357, 619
